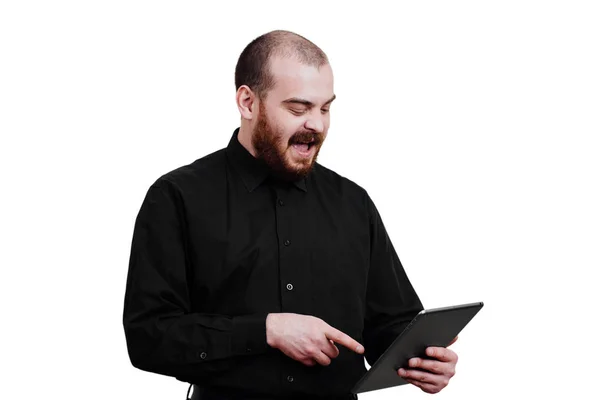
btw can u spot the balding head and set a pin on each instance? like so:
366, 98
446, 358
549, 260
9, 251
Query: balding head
284, 92
253, 66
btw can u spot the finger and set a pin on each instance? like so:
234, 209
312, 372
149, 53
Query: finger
336, 348
433, 366
343, 339
316, 354
322, 359
426, 387
442, 354
309, 362
420, 376
304, 359
330, 349
438, 383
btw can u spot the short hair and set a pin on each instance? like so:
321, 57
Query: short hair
253, 67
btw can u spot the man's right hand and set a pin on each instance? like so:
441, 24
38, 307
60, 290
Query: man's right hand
307, 339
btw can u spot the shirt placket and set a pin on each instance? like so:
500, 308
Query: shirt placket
289, 246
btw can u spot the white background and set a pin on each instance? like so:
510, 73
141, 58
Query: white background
473, 125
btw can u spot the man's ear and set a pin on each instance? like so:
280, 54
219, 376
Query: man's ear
246, 102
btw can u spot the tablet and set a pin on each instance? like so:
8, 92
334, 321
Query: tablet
432, 327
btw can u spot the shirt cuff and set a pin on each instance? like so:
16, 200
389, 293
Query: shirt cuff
249, 334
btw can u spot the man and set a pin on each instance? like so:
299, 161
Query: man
256, 272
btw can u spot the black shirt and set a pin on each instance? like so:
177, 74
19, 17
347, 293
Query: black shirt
218, 244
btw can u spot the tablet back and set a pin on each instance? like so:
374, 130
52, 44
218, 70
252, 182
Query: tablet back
433, 327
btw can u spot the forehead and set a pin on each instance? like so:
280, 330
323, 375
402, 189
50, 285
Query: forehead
294, 79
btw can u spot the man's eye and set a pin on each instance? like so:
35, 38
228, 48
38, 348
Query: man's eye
297, 111
325, 110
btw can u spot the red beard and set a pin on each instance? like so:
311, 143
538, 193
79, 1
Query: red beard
269, 146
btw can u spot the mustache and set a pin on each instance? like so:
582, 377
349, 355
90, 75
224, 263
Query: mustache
306, 137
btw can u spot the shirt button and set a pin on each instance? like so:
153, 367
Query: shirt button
289, 286
281, 203
203, 355
287, 242
290, 378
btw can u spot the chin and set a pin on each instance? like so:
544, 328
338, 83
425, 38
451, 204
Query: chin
299, 165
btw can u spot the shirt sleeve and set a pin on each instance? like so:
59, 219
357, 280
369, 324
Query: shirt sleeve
391, 301
163, 334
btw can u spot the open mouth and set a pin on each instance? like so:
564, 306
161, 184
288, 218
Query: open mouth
303, 146
304, 149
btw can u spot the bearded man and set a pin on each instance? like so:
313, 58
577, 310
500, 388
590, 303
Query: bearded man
256, 272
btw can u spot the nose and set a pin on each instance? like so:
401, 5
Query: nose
315, 123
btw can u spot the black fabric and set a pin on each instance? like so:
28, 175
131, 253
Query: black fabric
199, 393
218, 244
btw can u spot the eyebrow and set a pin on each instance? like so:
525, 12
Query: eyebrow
298, 100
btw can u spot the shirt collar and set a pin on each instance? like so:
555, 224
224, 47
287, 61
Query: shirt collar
252, 170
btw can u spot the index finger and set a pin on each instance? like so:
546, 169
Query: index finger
441, 353
345, 340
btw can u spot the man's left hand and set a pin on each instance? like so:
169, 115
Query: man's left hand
432, 375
